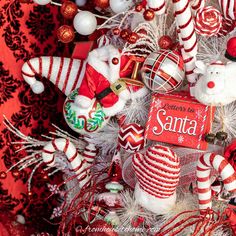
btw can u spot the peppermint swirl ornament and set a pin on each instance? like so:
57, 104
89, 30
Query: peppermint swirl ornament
208, 21
81, 120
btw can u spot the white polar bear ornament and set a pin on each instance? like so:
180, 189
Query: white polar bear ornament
216, 85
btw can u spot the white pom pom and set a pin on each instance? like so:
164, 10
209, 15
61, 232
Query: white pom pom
80, 3
42, 2
82, 101
118, 6
37, 87
20, 219
85, 23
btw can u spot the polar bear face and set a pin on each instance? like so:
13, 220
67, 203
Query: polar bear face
214, 79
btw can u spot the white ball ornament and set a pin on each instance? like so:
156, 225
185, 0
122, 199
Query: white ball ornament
118, 6
80, 3
42, 2
85, 23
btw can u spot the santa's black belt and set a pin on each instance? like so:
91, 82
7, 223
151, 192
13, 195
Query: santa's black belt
116, 88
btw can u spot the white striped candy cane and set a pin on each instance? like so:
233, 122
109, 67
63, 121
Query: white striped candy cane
157, 5
90, 152
228, 8
74, 158
187, 36
225, 170
197, 4
65, 73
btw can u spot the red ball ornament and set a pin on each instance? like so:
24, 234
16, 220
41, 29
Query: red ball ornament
133, 37
103, 4
131, 137
115, 61
231, 49
124, 34
69, 9
165, 42
65, 34
139, 7
3, 175
116, 31
148, 14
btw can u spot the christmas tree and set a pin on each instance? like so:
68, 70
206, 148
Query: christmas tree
148, 146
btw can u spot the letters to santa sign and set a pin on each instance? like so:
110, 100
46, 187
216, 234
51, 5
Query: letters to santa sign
179, 119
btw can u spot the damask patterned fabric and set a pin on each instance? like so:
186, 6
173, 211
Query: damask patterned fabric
27, 30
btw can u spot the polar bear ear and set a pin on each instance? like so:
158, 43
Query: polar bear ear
200, 67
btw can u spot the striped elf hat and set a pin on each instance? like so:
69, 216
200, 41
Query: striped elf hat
157, 172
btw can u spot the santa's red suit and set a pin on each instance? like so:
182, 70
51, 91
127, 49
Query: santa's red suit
100, 81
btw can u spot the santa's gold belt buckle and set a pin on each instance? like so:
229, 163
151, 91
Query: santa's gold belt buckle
118, 87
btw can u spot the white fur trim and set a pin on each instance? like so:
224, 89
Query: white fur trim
139, 93
82, 101
117, 107
156, 205
125, 94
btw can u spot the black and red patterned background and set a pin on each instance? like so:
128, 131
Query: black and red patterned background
26, 30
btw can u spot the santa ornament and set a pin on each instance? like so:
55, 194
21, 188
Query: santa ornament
98, 77
157, 172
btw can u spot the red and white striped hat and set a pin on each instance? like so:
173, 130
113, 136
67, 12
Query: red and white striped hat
157, 171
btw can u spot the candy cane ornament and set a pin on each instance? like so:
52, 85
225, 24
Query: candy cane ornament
204, 166
187, 36
74, 158
197, 4
158, 6
90, 152
65, 73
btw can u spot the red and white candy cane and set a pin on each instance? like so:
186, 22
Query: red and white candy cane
225, 170
74, 158
197, 4
187, 36
157, 5
228, 8
90, 152
65, 73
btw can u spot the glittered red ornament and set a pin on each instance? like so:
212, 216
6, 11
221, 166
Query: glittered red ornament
133, 37
131, 137
103, 4
231, 49
124, 34
165, 42
139, 7
69, 9
65, 34
3, 175
115, 61
116, 31
101, 228
148, 14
